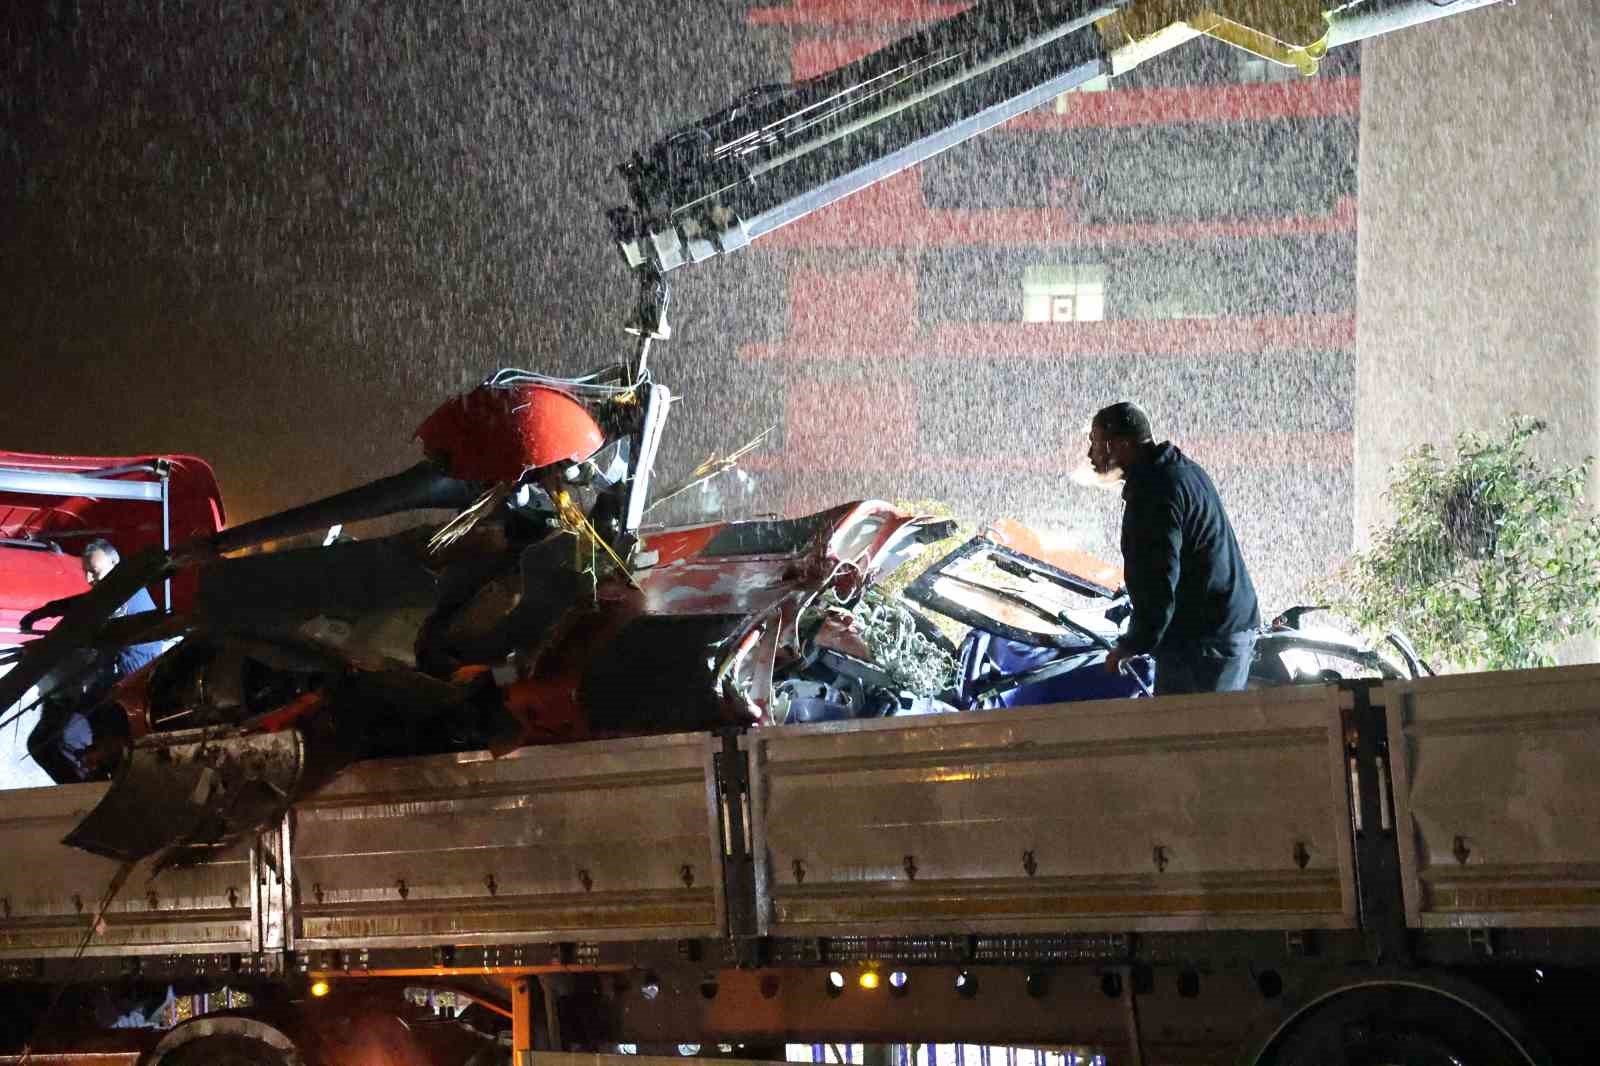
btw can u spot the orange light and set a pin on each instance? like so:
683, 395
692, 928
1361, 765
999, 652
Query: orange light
869, 979
320, 989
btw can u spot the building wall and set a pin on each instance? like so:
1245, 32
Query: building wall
1479, 234
1210, 204
282, 244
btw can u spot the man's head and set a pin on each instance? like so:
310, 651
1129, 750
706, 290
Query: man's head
99, 557
1118, 435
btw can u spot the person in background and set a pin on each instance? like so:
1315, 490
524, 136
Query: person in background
80, 731
99, 558
1194, 606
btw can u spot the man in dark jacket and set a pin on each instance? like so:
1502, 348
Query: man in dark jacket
1194, 606
99, 559
79, 729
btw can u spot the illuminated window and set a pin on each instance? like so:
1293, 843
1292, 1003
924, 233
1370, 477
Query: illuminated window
1064, 294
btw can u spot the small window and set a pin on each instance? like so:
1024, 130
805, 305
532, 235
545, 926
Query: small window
1064, 294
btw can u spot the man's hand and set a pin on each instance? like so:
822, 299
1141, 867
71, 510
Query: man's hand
53, 609
1115, 658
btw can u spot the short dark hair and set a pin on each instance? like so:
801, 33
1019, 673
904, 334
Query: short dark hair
1123, 419
103, 546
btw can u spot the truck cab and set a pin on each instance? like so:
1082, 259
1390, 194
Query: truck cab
51, 507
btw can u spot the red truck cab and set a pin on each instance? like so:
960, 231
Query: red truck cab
51, 506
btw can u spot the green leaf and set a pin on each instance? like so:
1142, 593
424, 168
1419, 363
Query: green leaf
1492, 559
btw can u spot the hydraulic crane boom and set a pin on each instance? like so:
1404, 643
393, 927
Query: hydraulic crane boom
780, 152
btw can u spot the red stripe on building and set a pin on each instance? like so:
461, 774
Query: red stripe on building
1309, 98
830, 308
865, 423
1057, 340
1118, 107
848, 12
1037, 226
1209, 336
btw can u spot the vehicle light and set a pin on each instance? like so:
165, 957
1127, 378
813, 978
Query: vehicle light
869, 979
835, 983
320, 988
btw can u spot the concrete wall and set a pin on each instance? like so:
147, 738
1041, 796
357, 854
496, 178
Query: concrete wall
1479, 234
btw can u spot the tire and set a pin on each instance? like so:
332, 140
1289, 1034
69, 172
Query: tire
1398, 1024
225, 1050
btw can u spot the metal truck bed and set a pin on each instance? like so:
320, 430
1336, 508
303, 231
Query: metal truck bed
1497, 792
1199, 813
50, 894
605, 841
1185, 813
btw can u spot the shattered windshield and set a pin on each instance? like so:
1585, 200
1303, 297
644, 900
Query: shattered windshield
993, 587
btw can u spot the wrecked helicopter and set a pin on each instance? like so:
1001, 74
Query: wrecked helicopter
540, 612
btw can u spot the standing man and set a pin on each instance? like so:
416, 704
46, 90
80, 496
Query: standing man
1194, 606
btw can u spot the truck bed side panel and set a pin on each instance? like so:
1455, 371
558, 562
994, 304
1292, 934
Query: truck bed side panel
50, 893
584, 842
1497, 797
1198, 812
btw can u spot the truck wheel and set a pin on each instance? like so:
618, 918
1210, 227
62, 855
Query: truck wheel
224, 1040
225, 1051
1398, 1024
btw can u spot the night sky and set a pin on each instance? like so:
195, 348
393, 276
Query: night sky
276, 236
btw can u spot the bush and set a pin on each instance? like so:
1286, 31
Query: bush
1492, 560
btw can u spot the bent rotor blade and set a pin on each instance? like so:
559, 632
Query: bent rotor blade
192, 788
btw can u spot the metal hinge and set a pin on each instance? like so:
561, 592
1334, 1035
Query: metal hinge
731, 768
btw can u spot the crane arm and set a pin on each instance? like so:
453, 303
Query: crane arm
779, 152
